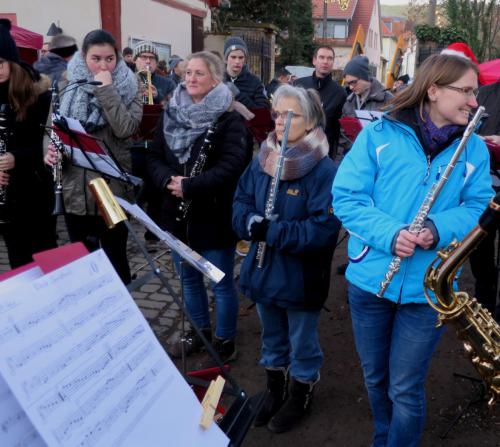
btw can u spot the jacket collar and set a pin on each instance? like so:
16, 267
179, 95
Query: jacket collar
321, 82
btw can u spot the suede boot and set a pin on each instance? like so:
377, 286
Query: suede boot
294, 409
277, 393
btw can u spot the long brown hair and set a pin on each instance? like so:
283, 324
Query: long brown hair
438, 69
22, 91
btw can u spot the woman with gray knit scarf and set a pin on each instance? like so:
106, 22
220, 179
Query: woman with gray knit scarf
292, 285
112, 112
200, 104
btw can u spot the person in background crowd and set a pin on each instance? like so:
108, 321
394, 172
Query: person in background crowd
55, 62
201, 103
332, 95
282, 76
367, 93
176, 69
162, 69
27, 222
44, 50
250, 90
482, 260
111, 112
146, 59
292, 285
128, 57
400, 83
378, 189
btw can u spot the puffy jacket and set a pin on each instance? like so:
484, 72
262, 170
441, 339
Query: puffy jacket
376, 98
208, 222
378, 190
300, 243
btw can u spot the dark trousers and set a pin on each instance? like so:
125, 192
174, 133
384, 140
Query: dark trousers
485, 271
93, 233
26, 235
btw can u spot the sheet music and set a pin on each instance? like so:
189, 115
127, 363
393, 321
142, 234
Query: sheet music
16, 429
85, 366
367, 116
187, 253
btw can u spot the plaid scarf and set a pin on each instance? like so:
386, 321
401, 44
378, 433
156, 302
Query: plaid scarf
185, 121
300, 158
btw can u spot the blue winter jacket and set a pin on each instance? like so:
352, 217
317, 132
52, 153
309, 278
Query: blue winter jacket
300, 242
378, 190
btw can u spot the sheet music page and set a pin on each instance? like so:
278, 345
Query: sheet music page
15, 427
86, 368
367, 116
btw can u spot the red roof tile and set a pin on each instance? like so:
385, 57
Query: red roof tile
333, 9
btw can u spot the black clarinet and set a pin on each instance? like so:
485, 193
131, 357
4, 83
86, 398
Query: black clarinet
58, 167
4, 137
197, 169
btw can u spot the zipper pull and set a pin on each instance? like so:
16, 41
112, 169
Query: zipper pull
428, 169
438, 173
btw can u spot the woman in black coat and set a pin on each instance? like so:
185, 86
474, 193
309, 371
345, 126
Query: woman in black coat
27, 191
199, 117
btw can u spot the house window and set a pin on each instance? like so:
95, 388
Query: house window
335, 29
388, 25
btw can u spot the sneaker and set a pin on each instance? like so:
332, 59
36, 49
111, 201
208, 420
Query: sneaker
226, 349
242, 248
192, 344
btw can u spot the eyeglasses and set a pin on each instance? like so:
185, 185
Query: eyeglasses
466, 91
147, 58
352, 83
275, 115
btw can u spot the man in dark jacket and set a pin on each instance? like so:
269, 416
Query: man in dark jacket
251, 92
146, 58
332, 95
55, 62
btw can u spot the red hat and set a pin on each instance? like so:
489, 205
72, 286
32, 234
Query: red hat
463, 50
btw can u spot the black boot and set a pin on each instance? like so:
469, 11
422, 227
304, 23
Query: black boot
225, 348
277, 393
295, 407
192, 343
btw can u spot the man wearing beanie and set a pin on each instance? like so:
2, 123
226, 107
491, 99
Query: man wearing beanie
251, 92
331, 94
146, 58
367, 92
55, 62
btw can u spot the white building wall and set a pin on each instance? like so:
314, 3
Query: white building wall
372, 46
75, 17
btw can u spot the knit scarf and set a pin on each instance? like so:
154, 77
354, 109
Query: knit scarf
80, 102
185, 120
435, 137
300, 158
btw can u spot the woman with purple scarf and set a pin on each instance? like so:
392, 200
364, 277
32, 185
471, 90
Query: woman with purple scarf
292, 284
377, 192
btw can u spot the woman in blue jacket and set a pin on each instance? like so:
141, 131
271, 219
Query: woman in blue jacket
380, 185
293, 283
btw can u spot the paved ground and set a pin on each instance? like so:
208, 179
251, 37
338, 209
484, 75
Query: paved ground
340, 415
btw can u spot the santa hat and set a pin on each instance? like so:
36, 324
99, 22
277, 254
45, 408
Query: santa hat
463, 50
460, 49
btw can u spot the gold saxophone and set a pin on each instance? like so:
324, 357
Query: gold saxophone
474, 325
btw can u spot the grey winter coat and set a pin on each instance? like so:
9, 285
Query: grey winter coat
123, 122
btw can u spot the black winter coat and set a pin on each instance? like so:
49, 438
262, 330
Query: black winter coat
489, 97
251, 90
208, 222
333, 97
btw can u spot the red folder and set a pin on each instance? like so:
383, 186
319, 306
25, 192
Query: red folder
261, 124
351, 127
494, 154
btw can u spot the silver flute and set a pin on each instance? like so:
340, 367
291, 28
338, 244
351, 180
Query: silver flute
4, 135
418, 222
272, 193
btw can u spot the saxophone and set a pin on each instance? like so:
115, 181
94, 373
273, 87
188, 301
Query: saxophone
474, 325
4, 136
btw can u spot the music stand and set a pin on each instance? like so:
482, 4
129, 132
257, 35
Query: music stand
238, 419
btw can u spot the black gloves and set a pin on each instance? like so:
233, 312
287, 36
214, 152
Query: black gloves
258, 230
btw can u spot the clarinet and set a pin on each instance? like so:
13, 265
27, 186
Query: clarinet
4, 136
58, 166
197, 169
273, 189
418, 222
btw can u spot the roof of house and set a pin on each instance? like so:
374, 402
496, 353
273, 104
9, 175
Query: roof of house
398, 26
359, 11
333, 9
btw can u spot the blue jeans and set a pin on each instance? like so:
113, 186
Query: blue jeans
395, 344
226, 296
290, 338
